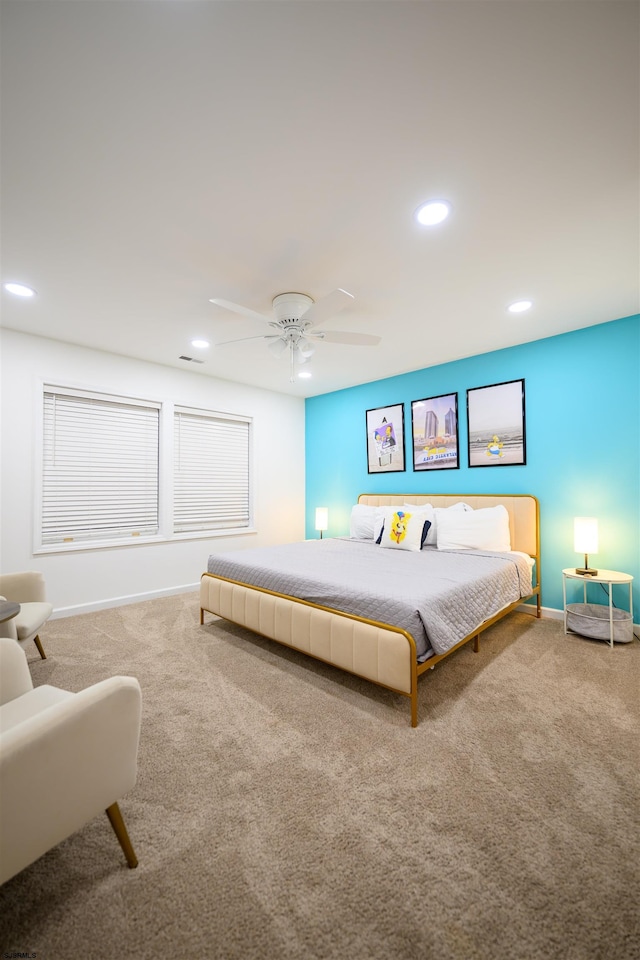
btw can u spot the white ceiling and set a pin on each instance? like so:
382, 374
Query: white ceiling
158, 153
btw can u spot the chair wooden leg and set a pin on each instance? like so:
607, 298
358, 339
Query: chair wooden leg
116, 821
38, 644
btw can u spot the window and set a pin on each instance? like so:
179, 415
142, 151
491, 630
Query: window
100, 468
211, 472
115, 468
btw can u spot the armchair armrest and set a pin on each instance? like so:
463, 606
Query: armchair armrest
81, 754
15, 678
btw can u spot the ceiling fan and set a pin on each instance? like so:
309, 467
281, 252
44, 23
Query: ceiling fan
296, 318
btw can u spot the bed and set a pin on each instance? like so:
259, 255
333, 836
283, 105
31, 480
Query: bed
351, 603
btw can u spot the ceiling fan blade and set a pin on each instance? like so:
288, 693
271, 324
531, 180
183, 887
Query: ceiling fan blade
327, 306
267, 336
238, 308
343, 336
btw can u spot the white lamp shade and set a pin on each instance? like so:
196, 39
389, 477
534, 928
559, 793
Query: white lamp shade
585, 535
278, 347
322, 518
305, 348
300, 356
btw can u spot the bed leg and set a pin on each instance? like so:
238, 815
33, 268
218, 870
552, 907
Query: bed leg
201, 616
414, 708
476, 643
539, 607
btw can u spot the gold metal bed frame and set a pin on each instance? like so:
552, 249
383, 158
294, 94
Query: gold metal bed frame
379, 652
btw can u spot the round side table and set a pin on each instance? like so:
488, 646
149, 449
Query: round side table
606, 577
8, 610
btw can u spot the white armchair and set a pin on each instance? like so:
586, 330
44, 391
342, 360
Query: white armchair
28, 589
64, 758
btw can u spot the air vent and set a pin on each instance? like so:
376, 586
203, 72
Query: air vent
191, 359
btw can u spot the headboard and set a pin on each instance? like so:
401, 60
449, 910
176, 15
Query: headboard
523, 510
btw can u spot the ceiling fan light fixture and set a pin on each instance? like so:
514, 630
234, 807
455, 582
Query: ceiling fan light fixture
294, 329
306, 348
432, 212
304, 374
278, 347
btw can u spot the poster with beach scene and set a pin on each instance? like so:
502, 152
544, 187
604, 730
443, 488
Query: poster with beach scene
496, 425
434, 429
385, 439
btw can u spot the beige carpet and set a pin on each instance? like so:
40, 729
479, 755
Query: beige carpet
286, 810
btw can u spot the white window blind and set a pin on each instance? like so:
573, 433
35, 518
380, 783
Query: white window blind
100, 469
211, 472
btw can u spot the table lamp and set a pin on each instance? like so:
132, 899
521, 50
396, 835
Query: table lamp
322, 519
585, 540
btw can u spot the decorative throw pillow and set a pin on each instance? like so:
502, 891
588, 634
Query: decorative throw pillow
362, 522
485, 529
404, 530
384, 516
427, 513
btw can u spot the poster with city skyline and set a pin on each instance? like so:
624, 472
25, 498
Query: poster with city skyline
434, 428
496, 425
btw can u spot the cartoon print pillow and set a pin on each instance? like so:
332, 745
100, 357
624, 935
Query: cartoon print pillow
384, 515
403, 530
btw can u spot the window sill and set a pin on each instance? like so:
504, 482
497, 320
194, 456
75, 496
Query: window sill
91, 545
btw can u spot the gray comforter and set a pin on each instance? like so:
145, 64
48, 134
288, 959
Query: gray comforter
438, 596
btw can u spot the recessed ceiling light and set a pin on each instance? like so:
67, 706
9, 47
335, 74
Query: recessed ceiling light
304, 374
433, 212
19, 289
520, 306
200, 344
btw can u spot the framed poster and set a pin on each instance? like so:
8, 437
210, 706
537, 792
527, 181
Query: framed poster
385, 439
496, 425
434, 431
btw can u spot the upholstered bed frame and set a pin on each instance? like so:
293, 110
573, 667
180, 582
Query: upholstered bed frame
378, 652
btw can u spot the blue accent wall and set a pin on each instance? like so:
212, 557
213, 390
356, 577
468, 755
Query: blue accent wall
582, 396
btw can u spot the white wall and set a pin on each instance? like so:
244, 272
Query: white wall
89, 579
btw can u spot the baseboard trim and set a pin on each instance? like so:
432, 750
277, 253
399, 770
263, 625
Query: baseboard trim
553, 614
549, 612
122, 601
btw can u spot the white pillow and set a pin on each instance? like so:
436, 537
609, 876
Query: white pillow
403, 529
378, 523
432, 536
362, 522
421, 507
485, 529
